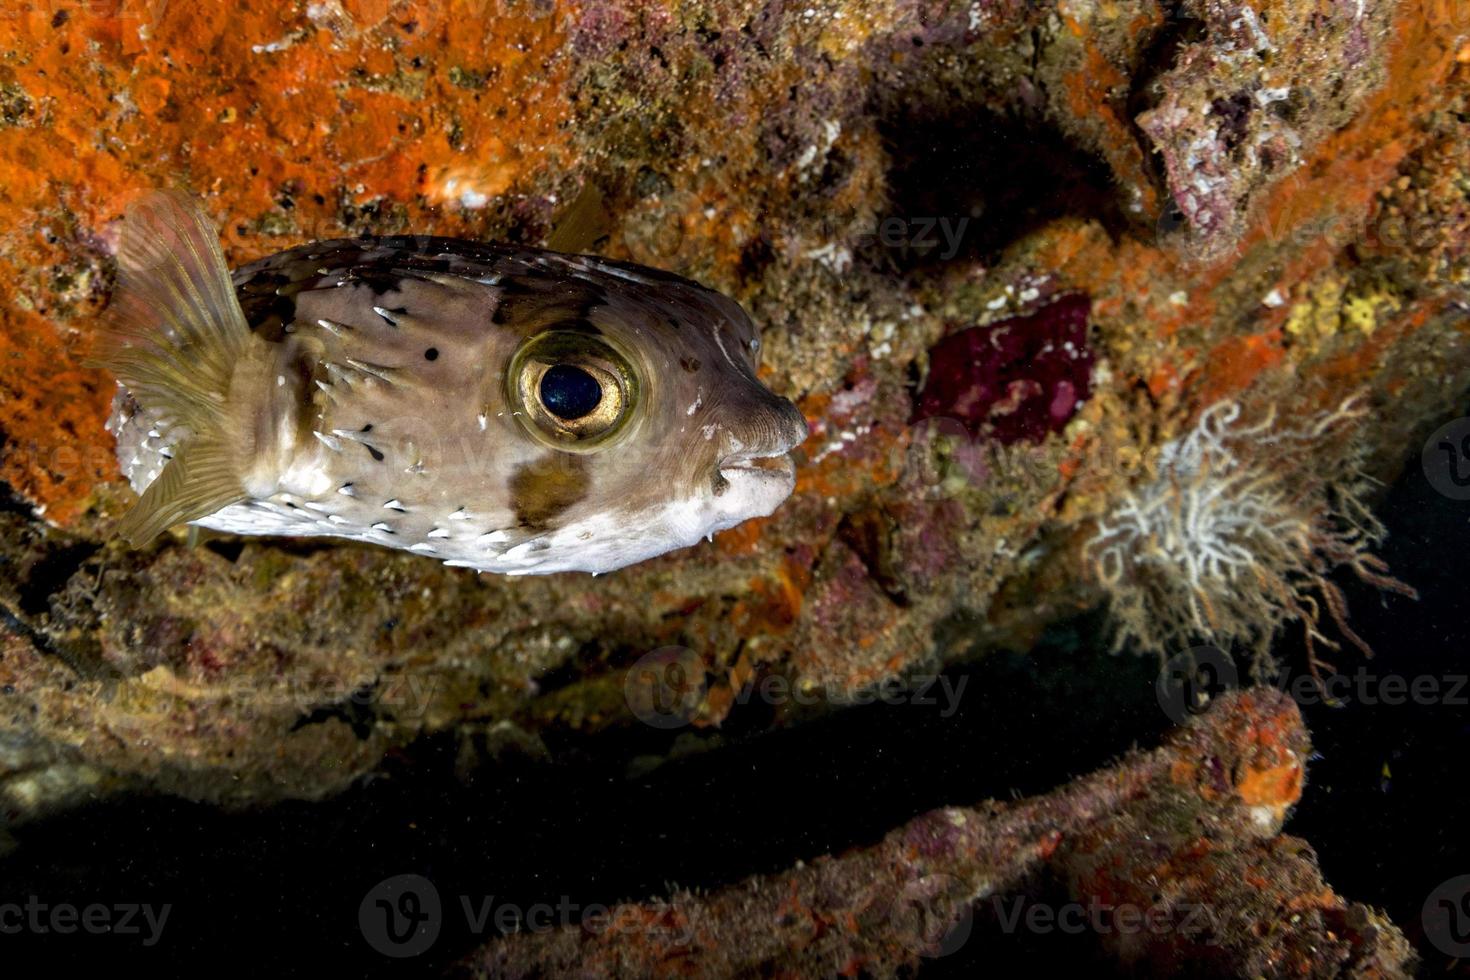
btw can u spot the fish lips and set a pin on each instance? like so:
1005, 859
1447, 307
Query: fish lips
755, 486
754, 480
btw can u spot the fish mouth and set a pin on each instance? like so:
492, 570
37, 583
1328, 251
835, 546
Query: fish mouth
757, 473
755, 484
778, 464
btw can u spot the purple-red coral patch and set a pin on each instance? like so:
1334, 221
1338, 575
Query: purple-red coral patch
1017, 379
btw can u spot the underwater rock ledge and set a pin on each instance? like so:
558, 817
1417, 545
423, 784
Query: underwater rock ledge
1171, 857
1252, 225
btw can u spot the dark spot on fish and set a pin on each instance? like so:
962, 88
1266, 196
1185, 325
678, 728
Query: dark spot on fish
408, 258
266, 281
690, 364
269, 316
380, 281
386, 273
432, 354
377, 456
533, 303
544, 489
268, 296
425, 263
444, 249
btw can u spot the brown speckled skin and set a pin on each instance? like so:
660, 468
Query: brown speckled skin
386, 415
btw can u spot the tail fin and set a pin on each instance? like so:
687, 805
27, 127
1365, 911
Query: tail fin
174, 337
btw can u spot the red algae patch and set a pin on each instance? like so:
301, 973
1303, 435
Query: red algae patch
1018, 379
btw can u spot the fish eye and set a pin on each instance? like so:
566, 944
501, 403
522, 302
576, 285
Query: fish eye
571, 390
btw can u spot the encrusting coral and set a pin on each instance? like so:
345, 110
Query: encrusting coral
1238, 534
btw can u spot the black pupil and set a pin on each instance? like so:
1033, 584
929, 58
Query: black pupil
569, 392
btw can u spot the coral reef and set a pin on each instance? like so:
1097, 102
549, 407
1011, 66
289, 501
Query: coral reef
1261, 101
1251, 198
1214, 889
1232, 537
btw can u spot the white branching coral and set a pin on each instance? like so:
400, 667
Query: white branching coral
1237, 533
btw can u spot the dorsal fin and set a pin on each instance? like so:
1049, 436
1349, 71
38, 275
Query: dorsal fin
582, 223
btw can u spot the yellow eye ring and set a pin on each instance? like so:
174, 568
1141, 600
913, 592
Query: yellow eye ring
572, 391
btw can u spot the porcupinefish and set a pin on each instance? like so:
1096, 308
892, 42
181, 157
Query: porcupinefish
498, 407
